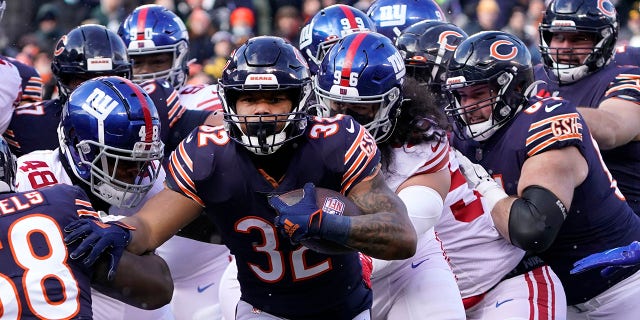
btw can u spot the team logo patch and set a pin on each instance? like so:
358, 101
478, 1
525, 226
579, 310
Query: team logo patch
495, 52
333, 206
442, 39
62, 43
607, 8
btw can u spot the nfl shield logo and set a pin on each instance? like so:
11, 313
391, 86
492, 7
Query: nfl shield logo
333, 206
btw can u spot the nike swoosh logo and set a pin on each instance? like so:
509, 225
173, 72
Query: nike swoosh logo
498, 303
189, 138
351, 129
435, 147
415, 265
551, 108
201, 289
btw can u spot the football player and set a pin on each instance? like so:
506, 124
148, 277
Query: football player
488, 269
110, 146
558, 201
415, 161
10, 88
328, 26
157, 41
578, 39
38, 279
391, 17
270, 145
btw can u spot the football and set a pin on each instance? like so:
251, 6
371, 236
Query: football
331, 202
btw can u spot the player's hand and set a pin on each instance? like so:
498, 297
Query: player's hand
367, 268
479, 179
613, 260
301, 220
98, 237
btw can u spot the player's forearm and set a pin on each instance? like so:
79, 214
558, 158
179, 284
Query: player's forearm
385, 232
603, 128
382, 236
141, 281
500, 216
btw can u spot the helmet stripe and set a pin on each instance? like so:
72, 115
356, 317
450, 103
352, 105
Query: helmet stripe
349, 15
348, 60
142, 21
148, 125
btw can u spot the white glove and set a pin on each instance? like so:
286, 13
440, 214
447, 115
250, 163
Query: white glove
479, 179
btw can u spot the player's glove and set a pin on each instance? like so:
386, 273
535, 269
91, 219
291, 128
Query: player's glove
98, 237
613, 260
479, 179
305, 220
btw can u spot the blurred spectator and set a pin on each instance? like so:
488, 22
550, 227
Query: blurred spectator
42, 64
633, 25
287, 24
517, 24
200, 32
223, 45
242, 20
110, 13
310, 8
487, 13
48, 31
264, 14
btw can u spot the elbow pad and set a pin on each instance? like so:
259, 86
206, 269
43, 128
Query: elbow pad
424, 206
535, 219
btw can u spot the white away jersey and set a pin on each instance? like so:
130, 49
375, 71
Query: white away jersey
43, 167
479, 256
10, 92
200, 97
409, 161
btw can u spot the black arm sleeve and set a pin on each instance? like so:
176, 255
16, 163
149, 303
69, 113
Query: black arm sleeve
535, 219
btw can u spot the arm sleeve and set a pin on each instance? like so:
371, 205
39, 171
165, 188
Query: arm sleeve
424, 206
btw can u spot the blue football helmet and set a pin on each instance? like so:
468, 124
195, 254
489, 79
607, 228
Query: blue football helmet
500, 60
109, 126
88, 51
595, 18
153, 29
391, 17
427, 47
327, 27
363, 68
265, 63
7, 168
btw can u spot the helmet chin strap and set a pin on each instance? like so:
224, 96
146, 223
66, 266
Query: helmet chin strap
568, 74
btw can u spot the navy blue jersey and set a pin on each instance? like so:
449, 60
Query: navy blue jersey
34, 126
598, 218
627, 55
275, 276
35, 267
31, 82
621, 82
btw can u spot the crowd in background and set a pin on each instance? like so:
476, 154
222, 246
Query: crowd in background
31, 28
